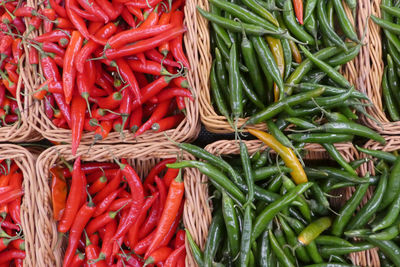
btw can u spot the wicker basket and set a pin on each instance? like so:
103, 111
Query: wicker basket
214, 122
187, 130
25, 162
371, 69
196, 217
314, 151
21, 132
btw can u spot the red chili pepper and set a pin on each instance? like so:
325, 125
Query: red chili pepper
128, 18
78, 22
172, 204
5, 43
97, 185
82, 218
158, 255
111, 186
132, 35
92, 7
64, 108
103, 130
104, 82
106, 248
154, 55
148, 67
63, 23
152, 219
121, 202
181, 104
134, 230
110, 102
101, 221
167, 123
78, 260
181, 82
95, 26
105, 32
298, 10
174, 92
11, 254
25, 11
69, 70
73, 200
164, 19
135, 185
136, 12
108, 8
92, 176
127, 74
34, 23
17, 49
52, 48
151, 20
53, 36
15, 206
18, 244
179, 238
58, 192
6, 198
170, 175
92, 167
136, 119
49, 105
176, 44
78, 108
173, 258
107, 201
92, 254
143, 45
59, 9
159, 113
141, 3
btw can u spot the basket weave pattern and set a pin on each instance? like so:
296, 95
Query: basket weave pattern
25, 162
214, 122
187, 130
314, 151
196, 216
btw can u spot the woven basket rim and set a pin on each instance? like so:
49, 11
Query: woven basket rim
371, 67
195, 217
25, 161
187, 130
214, 122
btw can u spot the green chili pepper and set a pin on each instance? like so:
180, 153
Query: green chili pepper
347, 210
369, 209
319, 196
249, 92
250, 60
237, 26
261, 11
389, 248
329, 90
280, 254
344, 21
279, 135
218, 29
221, 73
331, 72
326, 28
393, 212
262, 160
350, 128
235, 85
214, 238
390, 26
328, 100
327, 251
355, 164
330, 265
383, 260
320, 138
277, 107
304, 208
335, 154
343, 58
336, 117
266, 172
305, 66
326, 240
217, 178
294, 28
275, 184
311, 26
271, 210
267, 61
378, 154
301, 252
248, 172
309, 9
265, 256
393, 185
393, 80
278, 233
231, 223
387, 234
196, 252
300, 122
287, 56
246, 237
216, 91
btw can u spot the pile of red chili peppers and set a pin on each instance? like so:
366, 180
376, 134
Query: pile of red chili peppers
12, 244
114, 219
108, 65
11, 51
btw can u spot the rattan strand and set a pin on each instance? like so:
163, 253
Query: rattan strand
25, 162
187, 130
196, 216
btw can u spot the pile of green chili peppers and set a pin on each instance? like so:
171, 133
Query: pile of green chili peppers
262, 218
267, 65
389, 22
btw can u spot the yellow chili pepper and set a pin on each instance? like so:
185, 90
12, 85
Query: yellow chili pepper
295, 52
313, 230
287, 154
277, 51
